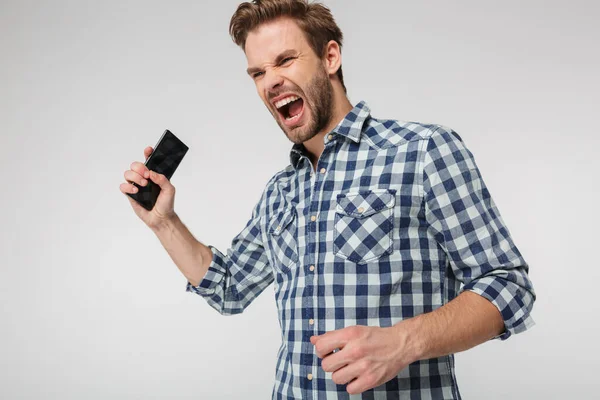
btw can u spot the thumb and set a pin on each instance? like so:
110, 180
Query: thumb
160, 180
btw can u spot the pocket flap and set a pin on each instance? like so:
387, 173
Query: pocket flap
280, 221
365, 203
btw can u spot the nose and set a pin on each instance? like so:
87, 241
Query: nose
272, 80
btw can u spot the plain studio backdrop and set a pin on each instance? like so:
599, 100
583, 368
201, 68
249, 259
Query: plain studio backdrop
92, 305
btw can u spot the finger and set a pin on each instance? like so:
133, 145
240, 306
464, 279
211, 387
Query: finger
336, 360
140, 168
147, 151
360, 384
128, 188
132, 176
346, 374
330, 341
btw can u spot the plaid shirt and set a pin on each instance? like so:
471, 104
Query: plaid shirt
396, 221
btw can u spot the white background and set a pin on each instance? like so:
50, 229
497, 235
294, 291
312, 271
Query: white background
92, 305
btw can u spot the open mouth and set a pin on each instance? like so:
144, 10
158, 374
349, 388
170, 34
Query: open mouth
290, 108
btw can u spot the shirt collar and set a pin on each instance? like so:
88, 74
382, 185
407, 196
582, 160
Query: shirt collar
351, 127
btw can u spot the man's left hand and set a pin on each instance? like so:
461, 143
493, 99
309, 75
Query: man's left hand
368, 357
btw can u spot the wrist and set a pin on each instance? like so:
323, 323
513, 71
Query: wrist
412, 335
165, 223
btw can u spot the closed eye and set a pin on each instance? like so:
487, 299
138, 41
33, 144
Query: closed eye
282, 62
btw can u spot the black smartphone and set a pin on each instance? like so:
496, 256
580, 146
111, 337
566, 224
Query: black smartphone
164, 159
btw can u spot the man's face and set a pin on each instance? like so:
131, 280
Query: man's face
290, 79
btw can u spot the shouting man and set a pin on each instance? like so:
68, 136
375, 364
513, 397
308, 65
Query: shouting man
385, 247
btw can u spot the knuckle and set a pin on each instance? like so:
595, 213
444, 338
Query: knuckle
335, 377
365, 367
356, 352
355, 331
360, 350
318, 349
352, 389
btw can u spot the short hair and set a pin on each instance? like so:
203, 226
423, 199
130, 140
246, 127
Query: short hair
314, 19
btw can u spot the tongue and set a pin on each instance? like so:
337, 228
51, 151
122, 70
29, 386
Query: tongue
295, 107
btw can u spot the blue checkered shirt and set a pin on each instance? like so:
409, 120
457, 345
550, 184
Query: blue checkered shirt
395, 221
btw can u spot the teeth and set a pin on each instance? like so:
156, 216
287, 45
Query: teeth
291, 118
285, 101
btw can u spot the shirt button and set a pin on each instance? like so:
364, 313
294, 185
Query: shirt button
309, 376
313, 218
322, 170
312, 267
360, 209
311, 321
330, 137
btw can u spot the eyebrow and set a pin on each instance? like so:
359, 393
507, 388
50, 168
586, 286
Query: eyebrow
284, 54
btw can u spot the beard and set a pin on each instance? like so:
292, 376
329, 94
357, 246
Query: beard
318, 99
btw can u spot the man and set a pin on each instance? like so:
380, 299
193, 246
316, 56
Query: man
386, 250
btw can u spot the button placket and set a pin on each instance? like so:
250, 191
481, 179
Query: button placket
312, 242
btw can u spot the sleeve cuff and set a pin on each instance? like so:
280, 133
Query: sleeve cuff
214, 275
512, 304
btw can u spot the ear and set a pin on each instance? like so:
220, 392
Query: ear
333, 57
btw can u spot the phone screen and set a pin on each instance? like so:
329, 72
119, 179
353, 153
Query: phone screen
167, 154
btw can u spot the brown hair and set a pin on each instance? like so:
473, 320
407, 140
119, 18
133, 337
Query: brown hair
314, 19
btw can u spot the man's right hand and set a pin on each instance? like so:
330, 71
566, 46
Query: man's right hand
163, 210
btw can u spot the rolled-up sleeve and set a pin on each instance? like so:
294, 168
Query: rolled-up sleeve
235, 278
471, 231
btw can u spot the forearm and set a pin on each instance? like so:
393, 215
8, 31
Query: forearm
191, 257
463, 323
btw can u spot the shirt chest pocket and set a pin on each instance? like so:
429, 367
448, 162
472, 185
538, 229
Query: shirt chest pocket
283, 234
363, 226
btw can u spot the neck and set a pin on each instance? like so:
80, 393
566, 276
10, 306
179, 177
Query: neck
315, 146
